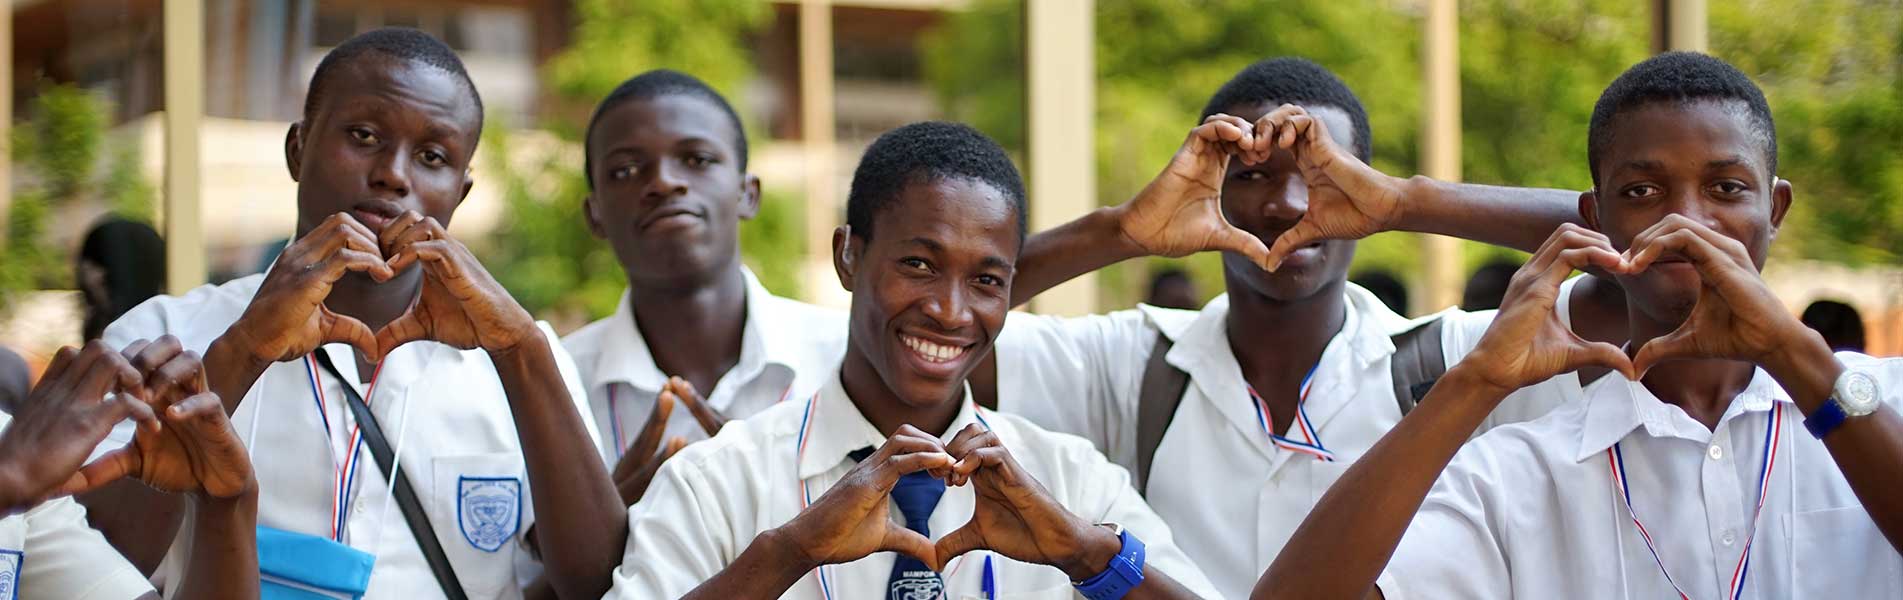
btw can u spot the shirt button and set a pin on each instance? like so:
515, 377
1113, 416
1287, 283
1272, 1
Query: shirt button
1731, 535
1716, 452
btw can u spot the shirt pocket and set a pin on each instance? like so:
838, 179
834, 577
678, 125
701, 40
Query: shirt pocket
478, 512
1825, 540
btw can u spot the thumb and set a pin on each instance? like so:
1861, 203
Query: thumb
1302, 234
1674, 345
956, 543
905, 541
112, 467
1604, 355
351, 331
403, 330
1232, 239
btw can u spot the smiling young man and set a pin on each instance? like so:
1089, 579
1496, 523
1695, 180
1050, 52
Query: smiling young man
666, 159
1699, 480
1285, 379
797, 501
374, 309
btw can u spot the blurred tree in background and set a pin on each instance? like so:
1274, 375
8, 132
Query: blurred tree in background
58, 150
1530, 72
543, 251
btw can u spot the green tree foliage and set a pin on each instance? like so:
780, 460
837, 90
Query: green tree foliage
58, 150
543, 251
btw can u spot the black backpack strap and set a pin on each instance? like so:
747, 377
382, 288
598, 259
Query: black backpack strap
405, 494
1417, 363
1162, 392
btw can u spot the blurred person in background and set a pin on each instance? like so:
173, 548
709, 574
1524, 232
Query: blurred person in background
121, 264
1385, 286
1839, 323
15, 379
1487, 286
1172, 288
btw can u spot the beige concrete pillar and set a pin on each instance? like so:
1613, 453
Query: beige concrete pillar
1679, 25
817, 130
1061, 77
184, 109
1441, 263
6, 111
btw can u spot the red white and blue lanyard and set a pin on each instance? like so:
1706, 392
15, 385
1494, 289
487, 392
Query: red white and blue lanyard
614, 417
345, 481
1311, 442
806, 493
1773, 433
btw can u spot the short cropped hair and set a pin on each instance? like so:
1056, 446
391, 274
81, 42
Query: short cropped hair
392, 42
655, 84
924, 152
1298, 81
1679, 77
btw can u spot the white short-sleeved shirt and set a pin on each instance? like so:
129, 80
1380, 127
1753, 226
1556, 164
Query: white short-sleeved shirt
786, 349
1531, 510
1232, 496
711, 500
444, 412
50, 553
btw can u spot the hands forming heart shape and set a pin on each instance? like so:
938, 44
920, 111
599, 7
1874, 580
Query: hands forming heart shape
1013, 516
1735, 317
459, 304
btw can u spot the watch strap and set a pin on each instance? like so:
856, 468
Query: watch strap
1825, 419
1125, 572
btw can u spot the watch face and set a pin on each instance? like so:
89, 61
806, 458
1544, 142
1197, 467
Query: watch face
1857, 393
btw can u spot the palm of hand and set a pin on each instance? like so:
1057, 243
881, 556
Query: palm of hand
173, 460
455, 310
852, 533
1343, 203
1181, 213
1530, 325
999, 517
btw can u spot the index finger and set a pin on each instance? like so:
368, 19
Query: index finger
710, 420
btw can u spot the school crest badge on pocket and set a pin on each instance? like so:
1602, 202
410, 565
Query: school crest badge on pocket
489, 510
10, 573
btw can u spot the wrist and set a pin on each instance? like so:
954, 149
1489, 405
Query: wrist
529, 346
783, 547
1112, 223
1475, 373
234, 350
1096, 547
1805, 366
14, 495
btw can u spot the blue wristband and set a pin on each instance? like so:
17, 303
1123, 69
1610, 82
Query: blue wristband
1124, 574
1825, 419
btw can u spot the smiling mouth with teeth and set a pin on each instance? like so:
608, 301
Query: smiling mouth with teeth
931, 351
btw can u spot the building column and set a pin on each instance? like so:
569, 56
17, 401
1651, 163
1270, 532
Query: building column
1441, 263
184, 106
820, 149
1679, 25
6, 112
1060, 88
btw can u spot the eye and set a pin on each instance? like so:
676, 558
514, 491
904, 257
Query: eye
914, 263
1250, 176
991, 281
363, 135
1730, 187
700, 159
1641, 190
621, 173
434, 158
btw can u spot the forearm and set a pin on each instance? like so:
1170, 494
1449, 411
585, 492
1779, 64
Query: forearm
231, 369
766, 569
1868, 449
224, 557
139, 522
1062, 253
1354, 529
1517, 218
581, 524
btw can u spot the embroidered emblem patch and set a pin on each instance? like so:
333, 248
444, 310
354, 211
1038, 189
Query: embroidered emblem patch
10, 573
489, 510
917, 585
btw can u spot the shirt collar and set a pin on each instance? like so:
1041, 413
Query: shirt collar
625, 357
1616, 407
833, 427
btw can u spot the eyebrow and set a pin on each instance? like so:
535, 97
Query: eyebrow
1641, 165
1726, 162
929, 244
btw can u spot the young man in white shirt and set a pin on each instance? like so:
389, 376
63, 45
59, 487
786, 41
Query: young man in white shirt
183, 445
1289, 376
1695, 481
374, 299
666, 161
788, 503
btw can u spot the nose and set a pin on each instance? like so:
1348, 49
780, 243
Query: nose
950, 308
391, 172
664, 180
1289, 202
1691, 203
